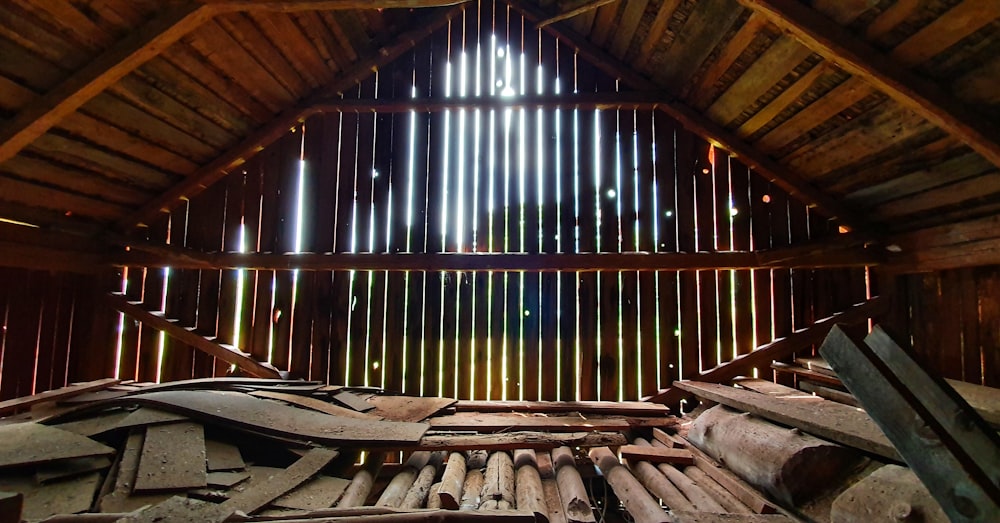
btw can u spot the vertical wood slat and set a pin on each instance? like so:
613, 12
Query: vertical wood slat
205, 233
642, 215
686, 242
181, 304
724, 230
48, 332
287, 165
21, 337
705, 218
152, 297
761, 201
743, 280
667, 216
321, 147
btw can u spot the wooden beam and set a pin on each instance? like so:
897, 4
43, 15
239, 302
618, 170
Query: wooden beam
294, 6
121, 59
950, 449
571, 10
469, 262
778, 174
924, 97
272, 131
628, 101
779, 348
12, 405
40, 257
226, 353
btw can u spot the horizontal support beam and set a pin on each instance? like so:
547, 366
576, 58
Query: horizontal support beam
778, 349
627, 101
294, 6
570, 10
473, 262
226, 353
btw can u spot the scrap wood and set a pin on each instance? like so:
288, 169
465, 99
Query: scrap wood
317, 493
408, 408
631, 408
223, 456
33, 443
95, 424
519, 440
59, 497
264, 492
239, 410
70, 467
388, 514
497, 422
228, 384
314, 404
11, 506
352, 401
147, 416
711, 517
173, 458
657, 454
120, 497
13, 405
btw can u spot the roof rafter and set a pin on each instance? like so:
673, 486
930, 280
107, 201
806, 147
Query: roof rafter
782, 176
291, 6
116, 62
857, 57
272, 131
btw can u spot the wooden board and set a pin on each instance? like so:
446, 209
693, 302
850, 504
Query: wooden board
319, 492
55, 395
226, 479
265, 492
986, 400
657, 454
315, 404
236, 409
120, 498
173, 458
632, 408
31, 443
223, 456
520, 440
408, 408
826, 419
96, 424
70, 468
351, 400
60, 497
148, 416
497, 422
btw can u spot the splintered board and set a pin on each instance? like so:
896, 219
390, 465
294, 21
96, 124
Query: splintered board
173, 458
319, 492
31, 443
236, 409
408, 408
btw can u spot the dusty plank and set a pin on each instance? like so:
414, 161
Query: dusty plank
31, 443
11, 507
226, 479
265, 492
986, 400
657, 454
69, 468
495, 422
520, 440
173, 458
711, 517
408, 408
120, 498
223, 456
240, 410
827, 419
60, 497
148, 416
351, 400
95, 424
56, 394
631, 408
319, 492
315, 404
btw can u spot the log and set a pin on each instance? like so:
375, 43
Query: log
361, 485
450, 492
786, 463
433, 499
498, 482
471, 490
657, 483
576, 502
528, 485
727, 500
553, 502
891, 493
417, 495
731, 482
701, 500
639, 504
395, 492
477, 458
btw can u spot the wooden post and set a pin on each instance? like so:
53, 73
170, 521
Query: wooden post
576, 502
450, 493
639, 504
357, 492
528, 485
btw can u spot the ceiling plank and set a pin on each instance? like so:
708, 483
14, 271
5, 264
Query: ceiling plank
857, 57
275, 129
782, 176
121, 59
293, 6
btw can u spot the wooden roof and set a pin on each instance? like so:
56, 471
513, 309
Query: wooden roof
881, 112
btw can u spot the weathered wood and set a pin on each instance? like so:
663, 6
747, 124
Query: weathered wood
223, 456
657, 455
829, 393
452, 480
396, 490
623, 408
484, 262
472, 490
350, 400
830, 420
120, 498
173, 458
157, 321
639, 504
857, 57
572, 9
319, 492
966, 490
314, 404
11, 505
553, 502
265, 492
362, 482
986, 400
723, 496
773, 389
890, 493
236, 409
408, 408
709, 517
226, 479
519, 440
70, 467
30, 443
576, 502
498, 482
657, 483
779, 348
498, 422
61, 497
416, 497
56, 394
731, 482
223, 6
433, 499
116, 62
144, 417
697, 497
530, 495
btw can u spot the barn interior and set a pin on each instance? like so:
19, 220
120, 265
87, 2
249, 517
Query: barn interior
584, 223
